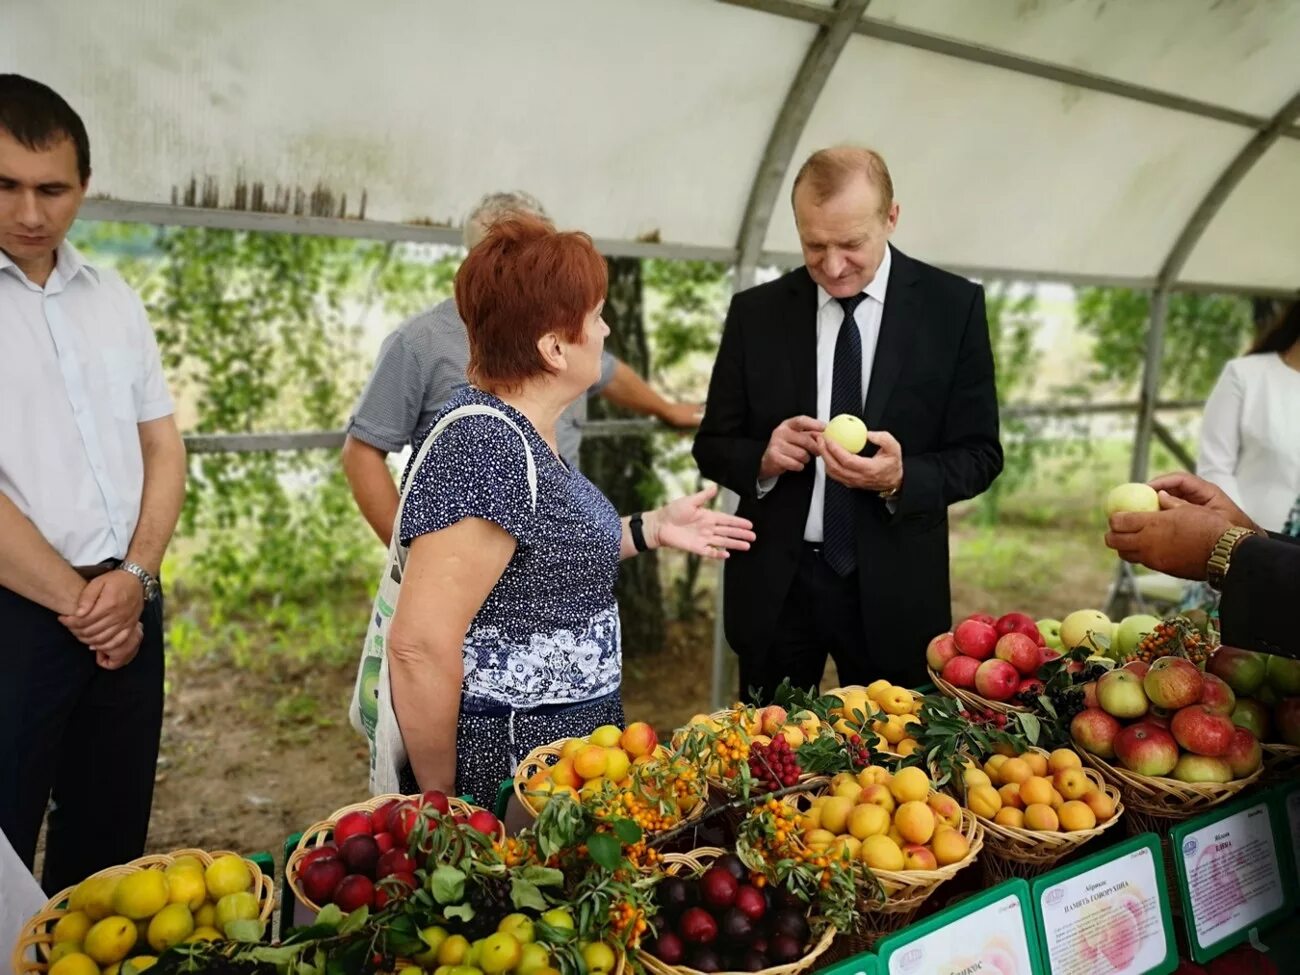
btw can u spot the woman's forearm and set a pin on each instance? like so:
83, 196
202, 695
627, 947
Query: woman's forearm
426, 680
649, 528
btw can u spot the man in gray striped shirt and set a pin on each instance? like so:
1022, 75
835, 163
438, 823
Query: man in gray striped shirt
422, 363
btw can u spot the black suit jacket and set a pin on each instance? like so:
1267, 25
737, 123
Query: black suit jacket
1260, 592
931, 386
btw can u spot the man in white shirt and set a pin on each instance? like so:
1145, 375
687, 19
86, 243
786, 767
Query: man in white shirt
852, 551
92, 476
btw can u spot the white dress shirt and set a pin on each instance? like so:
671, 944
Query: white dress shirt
1250, 437
830, 315
79, 370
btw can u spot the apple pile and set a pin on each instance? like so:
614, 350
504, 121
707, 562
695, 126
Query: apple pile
367, 861
1166, 719
887, 821
1044, 793
1267, 690
998, 658
718, 921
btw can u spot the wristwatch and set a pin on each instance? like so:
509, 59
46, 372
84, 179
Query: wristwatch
148, 582
1221, 557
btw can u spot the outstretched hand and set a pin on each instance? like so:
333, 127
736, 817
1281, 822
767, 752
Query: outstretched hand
689, 525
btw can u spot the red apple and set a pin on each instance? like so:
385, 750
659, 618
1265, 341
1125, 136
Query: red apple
1119, 692
351, 824
484, 822
1020, 651
1019, 623
1047, 654
988, 618
383, 812
401, 822
996, 679
394, 861
384, 841
1244, 754
1217, 695
354, 891
438, 800
939, 652
975, 639
319, 879
1286, 715
1095, 730
1090, 694
1173, 682
1146, 749
1202, 732
1243, 670
1139, 667
1160, 717
326, 852
960, 671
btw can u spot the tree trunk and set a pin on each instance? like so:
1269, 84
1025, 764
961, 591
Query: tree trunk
623, 467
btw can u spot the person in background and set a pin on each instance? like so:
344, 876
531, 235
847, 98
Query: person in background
92, 476
1201, 534
1250, 441
852, 557
506, 635
423, 363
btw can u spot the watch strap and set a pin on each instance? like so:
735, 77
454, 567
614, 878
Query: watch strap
638, 533
1221, 557
147, 581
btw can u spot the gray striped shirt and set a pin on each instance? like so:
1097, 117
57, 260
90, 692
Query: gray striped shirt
420, 366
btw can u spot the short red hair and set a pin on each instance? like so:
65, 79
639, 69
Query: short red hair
522, 280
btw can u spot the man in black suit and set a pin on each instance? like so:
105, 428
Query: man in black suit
1199, 533
852, 551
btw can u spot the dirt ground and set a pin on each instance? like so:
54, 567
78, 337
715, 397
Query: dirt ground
249, 757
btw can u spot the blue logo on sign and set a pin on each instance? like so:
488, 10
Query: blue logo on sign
1189, 847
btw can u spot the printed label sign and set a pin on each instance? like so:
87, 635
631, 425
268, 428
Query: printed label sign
989, 941
1233, 875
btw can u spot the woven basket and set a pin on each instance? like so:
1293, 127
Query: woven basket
1166, 798
542, 758
1281, 762
883, 747
696, 862
970, 698
1015, 852
318, 834
36, 938
907, 890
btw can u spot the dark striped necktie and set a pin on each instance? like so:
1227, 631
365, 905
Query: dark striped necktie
839, 536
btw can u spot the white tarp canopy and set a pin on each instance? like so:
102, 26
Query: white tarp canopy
1068, 139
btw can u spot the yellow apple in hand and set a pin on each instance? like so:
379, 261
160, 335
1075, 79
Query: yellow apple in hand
1132, 497
848, 431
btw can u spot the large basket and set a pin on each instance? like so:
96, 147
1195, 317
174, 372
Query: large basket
970, 698
907, 890
318, 834
543, 757
35, 940
696, 862
1165, 798
1016, 852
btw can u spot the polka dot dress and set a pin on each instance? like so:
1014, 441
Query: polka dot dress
547, 636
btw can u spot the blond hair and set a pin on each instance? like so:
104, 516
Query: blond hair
827, 171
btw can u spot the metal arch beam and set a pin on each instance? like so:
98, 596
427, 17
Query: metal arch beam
1167, 277
802, 97
807, 12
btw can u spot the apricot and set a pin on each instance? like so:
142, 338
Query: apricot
1041, 817
949, 846
1015, 770
910, 784
881, 853
1101, 805
1076, 815
1062, 759
984, 800
1036, 789
1007, 816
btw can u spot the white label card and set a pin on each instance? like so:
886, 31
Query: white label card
989, 941
1107, 920
1233, 876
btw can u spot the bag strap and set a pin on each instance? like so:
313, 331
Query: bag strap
471, 409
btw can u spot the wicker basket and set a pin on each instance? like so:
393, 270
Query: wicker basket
970, 698
318, 834
696, 862
907, 890
542, 758
1280, 762
1164, 798
36, 937
1015, 852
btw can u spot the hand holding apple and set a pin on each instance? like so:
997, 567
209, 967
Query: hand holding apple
1198, 491
1176, 540
881, 472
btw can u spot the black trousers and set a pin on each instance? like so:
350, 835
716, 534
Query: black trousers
822, 616
82, 736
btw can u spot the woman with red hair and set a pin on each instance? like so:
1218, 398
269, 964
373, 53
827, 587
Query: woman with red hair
506, 635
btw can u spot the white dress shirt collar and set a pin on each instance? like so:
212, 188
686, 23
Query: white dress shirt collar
68, 263
876, 289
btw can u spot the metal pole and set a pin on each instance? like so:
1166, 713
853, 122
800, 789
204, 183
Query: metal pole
1150, 384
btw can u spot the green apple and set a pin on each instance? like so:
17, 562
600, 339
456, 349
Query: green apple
1090, 627
1130, 633
433, 937
533, 956
500, 953
1051, 631
519, 925
1132, 497
848, 431
1284, 675
558, 917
